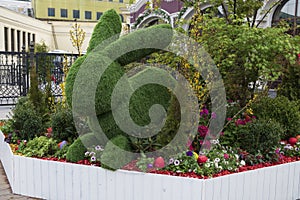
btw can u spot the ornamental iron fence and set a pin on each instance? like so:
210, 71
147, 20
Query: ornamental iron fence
15, 73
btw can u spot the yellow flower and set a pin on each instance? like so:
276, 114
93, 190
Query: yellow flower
195, 155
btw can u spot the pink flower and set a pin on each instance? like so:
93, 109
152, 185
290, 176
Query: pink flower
204, 112
229, 119
49, 130
202, 130
226, 156
240, 122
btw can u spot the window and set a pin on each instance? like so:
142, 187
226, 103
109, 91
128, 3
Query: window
51, 12
12, 39
110, 0
6, 38
76, 14
120, 1
122, 18
24, 39
99, 14
28, 39
64, 13
33, 38
18, 41
88, 14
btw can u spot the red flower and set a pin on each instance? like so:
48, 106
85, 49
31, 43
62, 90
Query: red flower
202, 130
159, 162
202, 159
226, 156
293, 141
49, 130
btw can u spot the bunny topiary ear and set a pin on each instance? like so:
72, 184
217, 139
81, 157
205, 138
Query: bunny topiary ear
108, 26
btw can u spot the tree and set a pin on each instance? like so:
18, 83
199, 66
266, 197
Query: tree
243, 52
77, 35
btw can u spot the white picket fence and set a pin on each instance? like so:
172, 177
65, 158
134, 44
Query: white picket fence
59, 181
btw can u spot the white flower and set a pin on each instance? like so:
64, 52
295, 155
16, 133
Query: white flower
98, 148
207, 165
282, 143
224, 151
296, 149
171, 161
220, 167
176, 162
288, 146
226, 162
216, 165
243, 162
87, 153
214, 141
92, 153
229, 168
237, 156
217, 160
93, 158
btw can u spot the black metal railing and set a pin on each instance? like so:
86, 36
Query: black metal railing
15, 69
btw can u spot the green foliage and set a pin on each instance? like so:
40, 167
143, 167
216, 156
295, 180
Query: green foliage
109, 25
71, 78
77, 150
282, 110
40, 147
26, 119
149, 35
290, 82
62, 153
63, 125
143, 162
245, 55
259, 136
111, 157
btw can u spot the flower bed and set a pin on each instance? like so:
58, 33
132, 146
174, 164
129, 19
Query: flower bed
57, 180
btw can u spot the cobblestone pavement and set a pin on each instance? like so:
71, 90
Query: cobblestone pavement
5, 191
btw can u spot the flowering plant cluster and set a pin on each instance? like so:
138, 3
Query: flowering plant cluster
94, 153
290, 149
206, 163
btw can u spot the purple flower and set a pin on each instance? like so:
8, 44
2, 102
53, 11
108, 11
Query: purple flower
202, 130
189, 153
204, 112
213, 115
150, 165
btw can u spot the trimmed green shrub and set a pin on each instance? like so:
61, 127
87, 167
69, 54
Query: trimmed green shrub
111, 157
77, 150
259, 136
40, 147
26, 119
62, 124
282, 110
109, 25
71, 78
149, 35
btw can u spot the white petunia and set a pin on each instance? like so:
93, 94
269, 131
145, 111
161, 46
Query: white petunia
176, 162
243, 162
217, 160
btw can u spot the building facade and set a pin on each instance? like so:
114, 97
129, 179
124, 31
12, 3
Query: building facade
87, 10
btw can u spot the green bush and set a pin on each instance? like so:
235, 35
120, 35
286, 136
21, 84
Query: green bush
62, 124
26, 119
282, 110
290, 82
40, 147
77, 150
109, 25
112, 158
259, 136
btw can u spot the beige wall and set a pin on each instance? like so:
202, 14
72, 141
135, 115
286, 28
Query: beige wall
55, 33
